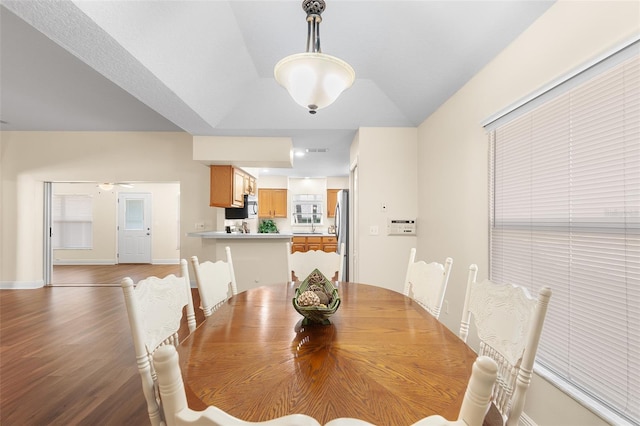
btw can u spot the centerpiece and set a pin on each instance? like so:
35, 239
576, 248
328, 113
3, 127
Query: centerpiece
316, 299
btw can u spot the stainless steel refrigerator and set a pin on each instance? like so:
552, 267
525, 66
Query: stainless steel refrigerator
342, 229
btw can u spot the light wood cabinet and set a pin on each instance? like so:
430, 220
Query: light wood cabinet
238, 187
272, 203
332, 200
250, 185
298, 244
329, 244
314, 243
228, 186
303, 244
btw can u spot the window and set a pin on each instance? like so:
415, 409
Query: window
307, 209
565, 212
72, 222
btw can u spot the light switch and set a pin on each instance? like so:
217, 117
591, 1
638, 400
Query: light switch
373, 230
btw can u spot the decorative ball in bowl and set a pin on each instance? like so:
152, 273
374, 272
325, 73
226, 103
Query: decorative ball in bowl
316, 299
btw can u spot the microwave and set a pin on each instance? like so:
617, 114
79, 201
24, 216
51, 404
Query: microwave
252, 206
248, 211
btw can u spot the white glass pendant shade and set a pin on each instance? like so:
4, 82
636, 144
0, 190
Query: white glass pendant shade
314, 80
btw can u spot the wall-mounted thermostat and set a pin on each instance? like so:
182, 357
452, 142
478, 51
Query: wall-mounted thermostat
401, 227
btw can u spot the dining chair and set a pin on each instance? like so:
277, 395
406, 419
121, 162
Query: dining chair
178, 413
214, 280
155, 308
508, 323
475, 403
426, 282
301, 264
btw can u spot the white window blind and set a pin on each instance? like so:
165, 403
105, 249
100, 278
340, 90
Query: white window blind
565, 200
72, 222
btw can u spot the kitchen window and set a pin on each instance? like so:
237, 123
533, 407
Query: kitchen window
307, 209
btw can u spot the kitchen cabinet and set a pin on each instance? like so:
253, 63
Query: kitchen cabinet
298, 244
303, 244
228, 186
314, 243
272, 203
330, 244
332, 200
238, 187
250, 185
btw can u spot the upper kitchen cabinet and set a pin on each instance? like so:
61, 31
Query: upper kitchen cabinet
229, 184
250, 185
332, 200
272, 203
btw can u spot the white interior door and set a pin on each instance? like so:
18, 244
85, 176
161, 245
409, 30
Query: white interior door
134, 227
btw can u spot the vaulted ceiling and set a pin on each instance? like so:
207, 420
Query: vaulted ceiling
206, 67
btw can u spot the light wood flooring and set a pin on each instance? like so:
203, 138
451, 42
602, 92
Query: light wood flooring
67, 358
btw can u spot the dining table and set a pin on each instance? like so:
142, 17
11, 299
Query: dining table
382, 358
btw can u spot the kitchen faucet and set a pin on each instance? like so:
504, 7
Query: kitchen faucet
313, 226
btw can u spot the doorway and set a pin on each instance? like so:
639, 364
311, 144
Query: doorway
99, 264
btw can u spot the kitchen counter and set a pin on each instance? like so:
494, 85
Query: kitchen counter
312, 234
258, 259
237, 236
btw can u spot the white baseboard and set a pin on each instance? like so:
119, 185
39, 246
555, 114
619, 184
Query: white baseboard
89, 262
21, 285
526, 420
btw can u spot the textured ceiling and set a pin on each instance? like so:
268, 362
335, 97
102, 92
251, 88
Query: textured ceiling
206, 67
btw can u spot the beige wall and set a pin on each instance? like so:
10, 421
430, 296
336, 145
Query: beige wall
103, 250
31, 158
387, 170
452, 153
165, 242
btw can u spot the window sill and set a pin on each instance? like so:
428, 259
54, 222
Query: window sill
589, 402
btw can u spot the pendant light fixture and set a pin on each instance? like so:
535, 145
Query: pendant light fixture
313, 79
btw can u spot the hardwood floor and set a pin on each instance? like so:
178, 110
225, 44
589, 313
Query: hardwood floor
67, 358
108, 274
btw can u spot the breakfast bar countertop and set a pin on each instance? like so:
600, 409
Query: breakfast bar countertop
238, 236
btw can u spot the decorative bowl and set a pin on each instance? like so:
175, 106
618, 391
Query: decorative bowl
317, 314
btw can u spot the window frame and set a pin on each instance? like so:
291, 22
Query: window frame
611, 223
72, 209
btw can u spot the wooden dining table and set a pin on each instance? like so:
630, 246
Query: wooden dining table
383, 359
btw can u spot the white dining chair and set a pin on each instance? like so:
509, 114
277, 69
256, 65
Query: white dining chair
475, 404
215, 280
178, 413
301, 264
508, 323
155, 309
426, 282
